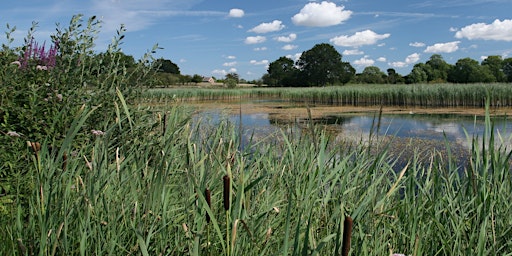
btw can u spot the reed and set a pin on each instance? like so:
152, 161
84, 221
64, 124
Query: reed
413, 95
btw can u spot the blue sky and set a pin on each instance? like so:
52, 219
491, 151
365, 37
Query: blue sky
212, 38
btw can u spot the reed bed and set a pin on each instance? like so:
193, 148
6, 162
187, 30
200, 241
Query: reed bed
414, 95
152, 184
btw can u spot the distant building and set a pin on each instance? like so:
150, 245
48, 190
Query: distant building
208, 80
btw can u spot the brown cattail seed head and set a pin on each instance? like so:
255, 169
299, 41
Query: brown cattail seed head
64, 161
347, 232
227, 192
208, 197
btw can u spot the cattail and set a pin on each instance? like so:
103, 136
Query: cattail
347, 231
208, 197
227, 192
64, 161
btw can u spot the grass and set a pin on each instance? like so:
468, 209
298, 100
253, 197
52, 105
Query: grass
145, 194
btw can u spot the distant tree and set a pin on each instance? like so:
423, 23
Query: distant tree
231, 80
437, 69
197, 79
418, 74
495, 65
393, 77
507, 69
372, 75
166, 66
281, 72
347, 73
320, 65
468, 70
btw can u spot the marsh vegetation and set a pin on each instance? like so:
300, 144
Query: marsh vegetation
89, 167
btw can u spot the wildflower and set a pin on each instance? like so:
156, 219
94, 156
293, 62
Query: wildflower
39, 67
16, 63
97, 132
59, 97
13, 134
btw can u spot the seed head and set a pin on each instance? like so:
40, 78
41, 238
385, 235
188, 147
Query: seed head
207, 195
227, 192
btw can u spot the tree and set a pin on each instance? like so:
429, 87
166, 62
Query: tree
418, 74
166, 66
197, 79
468, 70
347, 72
231, 80
507, 69
281, 72
393, 77
320, 65
495, 65
437, 69
372, 75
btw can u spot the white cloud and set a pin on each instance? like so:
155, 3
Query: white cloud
231, 57
255, 62
413, 58
353, 52
364, 61
232, 70
366, 37
221, 72
498, 30
183, 60
236, 13
417, 44
255, 39
289, 47
398, 64
443, 47
229, 64
322, 14
452, 29
273, 26
381, 59
260, 49
294, 57
287, 39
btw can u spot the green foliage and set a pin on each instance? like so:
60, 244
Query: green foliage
43, 91
166, 66
322, 65
282, 72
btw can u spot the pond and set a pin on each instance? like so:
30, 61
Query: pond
410, 129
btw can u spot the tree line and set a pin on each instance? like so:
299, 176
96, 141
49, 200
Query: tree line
322, 65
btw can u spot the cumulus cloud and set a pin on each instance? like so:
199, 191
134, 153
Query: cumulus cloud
398, 64
443, 47
417, 44
231, 57
413, 58
498, 30
262, 62
361, 38
289, 47
273, 26
353, 52
255, 39
260, 49
236, 13
287, 39
322, 14
381, 59
229, 64
364, 62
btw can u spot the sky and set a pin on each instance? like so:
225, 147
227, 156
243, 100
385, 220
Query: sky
213, 38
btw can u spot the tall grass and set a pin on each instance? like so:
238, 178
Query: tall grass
145, 194
414, 95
